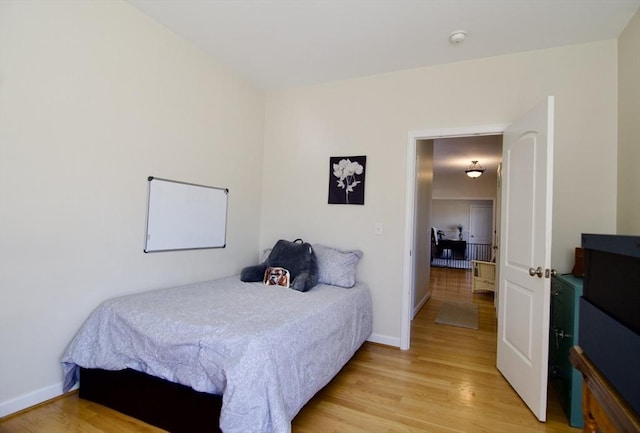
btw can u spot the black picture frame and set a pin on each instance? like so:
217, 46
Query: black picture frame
347, 179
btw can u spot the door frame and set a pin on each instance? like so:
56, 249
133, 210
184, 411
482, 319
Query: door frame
408, 271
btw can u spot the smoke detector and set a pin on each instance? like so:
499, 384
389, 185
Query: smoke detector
457, 36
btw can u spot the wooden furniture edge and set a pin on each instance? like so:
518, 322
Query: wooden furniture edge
600, 400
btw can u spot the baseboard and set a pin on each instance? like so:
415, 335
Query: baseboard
28, 400
384, 339
421, 304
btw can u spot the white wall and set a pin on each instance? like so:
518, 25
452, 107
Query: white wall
95, 97
373, 115
629, 128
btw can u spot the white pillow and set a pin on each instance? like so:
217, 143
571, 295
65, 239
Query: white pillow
337, 267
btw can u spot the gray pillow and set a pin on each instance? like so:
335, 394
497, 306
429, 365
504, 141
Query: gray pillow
337, 267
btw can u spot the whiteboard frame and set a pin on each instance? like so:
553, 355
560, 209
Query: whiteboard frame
162, 212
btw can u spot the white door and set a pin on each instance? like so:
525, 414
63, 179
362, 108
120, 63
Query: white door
480, 223
525, 249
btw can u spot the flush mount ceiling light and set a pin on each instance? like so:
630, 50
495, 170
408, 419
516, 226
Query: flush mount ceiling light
475, 170
457, 36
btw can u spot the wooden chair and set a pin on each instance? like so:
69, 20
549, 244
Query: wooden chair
484, 276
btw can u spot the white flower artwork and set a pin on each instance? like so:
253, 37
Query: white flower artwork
346, 179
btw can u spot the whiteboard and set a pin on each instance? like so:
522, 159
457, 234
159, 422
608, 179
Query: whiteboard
185, 216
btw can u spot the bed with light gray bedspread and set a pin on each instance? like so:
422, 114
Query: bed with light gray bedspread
266, 349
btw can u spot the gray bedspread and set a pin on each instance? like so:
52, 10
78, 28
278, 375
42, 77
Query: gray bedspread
267, 349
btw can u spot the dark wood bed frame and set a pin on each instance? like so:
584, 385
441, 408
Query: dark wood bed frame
170, 406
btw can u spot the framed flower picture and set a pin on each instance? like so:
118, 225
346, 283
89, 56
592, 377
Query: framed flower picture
346, 179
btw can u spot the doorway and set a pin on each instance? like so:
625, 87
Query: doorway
524, 260
415, 222
481, 224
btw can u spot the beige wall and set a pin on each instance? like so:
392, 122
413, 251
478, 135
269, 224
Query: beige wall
373, 115
448, 213
95, 97
423, 212
460, 186
629, 128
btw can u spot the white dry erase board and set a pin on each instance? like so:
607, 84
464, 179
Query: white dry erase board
185, 216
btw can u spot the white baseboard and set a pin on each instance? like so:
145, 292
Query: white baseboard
384, 339
395, 341
30, 399
420, 304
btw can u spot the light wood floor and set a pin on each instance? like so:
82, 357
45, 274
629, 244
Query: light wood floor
447, 382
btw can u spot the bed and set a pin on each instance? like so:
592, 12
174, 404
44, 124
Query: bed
253, 353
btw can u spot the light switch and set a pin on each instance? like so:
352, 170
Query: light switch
378, 229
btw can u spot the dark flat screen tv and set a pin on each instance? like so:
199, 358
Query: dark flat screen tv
612, 276
609, 324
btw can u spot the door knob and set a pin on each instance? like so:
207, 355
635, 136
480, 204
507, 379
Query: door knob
534, 272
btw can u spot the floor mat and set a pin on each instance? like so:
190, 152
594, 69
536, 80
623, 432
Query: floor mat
462, 314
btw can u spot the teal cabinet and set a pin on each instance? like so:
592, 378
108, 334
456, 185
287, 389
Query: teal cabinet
566, 291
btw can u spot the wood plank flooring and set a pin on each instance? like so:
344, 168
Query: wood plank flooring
447, 382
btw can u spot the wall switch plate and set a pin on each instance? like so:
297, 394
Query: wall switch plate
378, 228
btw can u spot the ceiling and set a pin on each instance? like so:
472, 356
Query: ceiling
451, 156
286, 43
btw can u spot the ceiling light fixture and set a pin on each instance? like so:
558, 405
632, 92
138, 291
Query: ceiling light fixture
475, 170
457, 36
